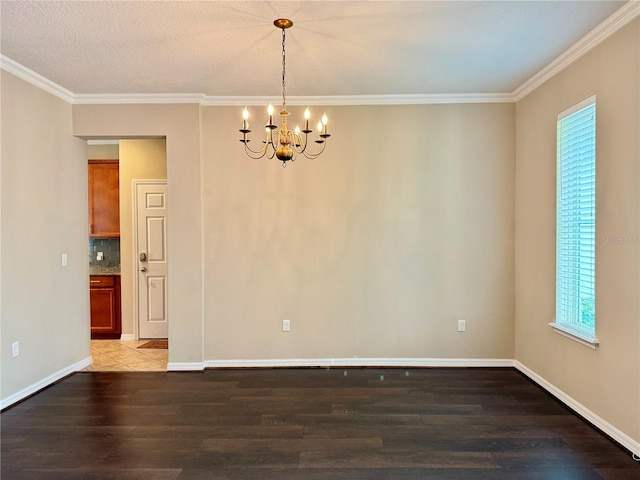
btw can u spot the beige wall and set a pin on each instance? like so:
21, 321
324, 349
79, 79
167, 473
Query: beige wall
606, 381
180, 124
103, 151
44, 306
139, 160
375, 249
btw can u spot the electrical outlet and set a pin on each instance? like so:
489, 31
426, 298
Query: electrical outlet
15, 346
286, 325
462, 325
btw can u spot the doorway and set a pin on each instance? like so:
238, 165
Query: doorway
139, 159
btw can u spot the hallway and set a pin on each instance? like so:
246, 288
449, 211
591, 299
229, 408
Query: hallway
125, 356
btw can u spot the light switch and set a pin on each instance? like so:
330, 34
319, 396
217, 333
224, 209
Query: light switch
63, 260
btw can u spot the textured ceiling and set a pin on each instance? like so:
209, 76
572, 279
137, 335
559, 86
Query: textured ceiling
334, 48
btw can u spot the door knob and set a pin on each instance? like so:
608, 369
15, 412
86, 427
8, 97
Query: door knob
143, 269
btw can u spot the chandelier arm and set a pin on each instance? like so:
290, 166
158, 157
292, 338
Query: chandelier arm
265, 148
303, 143
309, 154
301, 146
269, 142
255, 154
315, 155
258, 154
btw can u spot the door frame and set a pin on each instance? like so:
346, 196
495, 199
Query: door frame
136, 287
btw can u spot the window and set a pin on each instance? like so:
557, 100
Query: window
576, 223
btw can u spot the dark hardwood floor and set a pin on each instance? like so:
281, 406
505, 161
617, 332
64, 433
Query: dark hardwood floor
315, 424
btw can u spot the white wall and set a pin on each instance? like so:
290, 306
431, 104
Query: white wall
605, 381
44, 306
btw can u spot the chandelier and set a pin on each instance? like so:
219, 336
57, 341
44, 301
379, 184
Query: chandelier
284, 143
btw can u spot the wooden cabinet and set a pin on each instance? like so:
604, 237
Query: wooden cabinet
104, 198
104, 293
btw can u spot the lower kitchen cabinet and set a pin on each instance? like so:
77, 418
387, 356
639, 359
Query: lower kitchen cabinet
104, 292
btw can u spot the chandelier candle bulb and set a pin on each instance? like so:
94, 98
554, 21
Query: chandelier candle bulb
319, 127
270, 111
245, 116
307, 116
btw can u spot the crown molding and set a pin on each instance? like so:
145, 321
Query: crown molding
44, 83
615, 22
353, 100
35, 79
136, 98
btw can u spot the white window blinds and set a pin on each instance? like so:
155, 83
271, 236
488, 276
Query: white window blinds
576, 221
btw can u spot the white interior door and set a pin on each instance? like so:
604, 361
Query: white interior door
151, 230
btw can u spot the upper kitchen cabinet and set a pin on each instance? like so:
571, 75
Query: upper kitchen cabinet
104, 199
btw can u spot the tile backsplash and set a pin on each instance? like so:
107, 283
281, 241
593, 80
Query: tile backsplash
110, 248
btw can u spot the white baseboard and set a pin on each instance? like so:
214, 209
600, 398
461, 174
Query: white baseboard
45, 382
185, 366
361, 362
620, 437
341, 362
128, 337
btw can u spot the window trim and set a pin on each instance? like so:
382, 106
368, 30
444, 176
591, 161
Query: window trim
578, 106
563, 329
580, 337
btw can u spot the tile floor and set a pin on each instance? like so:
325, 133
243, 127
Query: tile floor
125, 356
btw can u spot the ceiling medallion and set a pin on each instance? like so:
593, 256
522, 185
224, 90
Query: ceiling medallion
285, 144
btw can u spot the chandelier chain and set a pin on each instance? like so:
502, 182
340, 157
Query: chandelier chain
284, 83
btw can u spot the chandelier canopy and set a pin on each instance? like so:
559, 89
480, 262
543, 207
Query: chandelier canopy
284, 143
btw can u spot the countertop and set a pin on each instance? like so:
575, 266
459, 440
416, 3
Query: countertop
104, 270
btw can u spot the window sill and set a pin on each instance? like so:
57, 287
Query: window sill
587, 341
